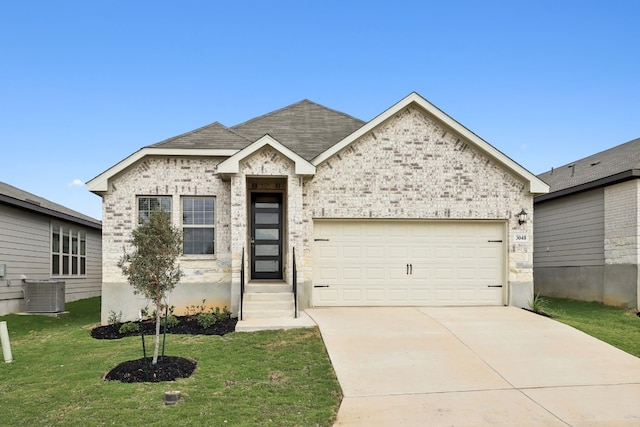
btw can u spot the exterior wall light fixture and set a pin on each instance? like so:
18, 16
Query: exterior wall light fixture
522, 217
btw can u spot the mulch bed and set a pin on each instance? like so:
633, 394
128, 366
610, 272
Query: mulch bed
168, 368
188, 325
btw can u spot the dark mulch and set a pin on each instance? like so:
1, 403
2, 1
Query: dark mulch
188, 325
168, 368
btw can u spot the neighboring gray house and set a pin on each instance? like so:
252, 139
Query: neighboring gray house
408, 209
41, 240
587, 229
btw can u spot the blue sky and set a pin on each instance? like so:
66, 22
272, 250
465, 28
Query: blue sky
83, 84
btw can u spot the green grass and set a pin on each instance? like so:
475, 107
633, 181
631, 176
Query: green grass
616, 326
279, 378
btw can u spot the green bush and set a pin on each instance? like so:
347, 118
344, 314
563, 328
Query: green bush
222, 315
172, 321
207, 319
129, 327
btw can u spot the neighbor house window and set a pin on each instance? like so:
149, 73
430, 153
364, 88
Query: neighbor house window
198, 220
68, 251
148, 204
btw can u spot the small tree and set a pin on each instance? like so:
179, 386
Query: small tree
151, 267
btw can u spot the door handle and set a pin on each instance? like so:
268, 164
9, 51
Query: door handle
253, 241
411, 269
407, 268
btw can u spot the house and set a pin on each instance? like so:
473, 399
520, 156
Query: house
408, 209
587, 229
43, 241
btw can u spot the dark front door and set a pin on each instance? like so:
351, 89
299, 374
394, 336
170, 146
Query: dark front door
266, 236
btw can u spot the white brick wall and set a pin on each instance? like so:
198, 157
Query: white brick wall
411, 167
163, 176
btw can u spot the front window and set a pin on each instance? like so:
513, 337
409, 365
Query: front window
148, 204
68, 251
198, 222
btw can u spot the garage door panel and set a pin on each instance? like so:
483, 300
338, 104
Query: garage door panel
375, 251
352, 295
398, 295
408, 263
375, 295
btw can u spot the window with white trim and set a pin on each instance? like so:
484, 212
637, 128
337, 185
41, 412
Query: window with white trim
198, 225
148, 204
68, 251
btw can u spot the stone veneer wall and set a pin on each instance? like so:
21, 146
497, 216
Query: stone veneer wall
205, 277
412, 167
621, 244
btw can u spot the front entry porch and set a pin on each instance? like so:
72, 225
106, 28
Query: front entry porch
267, 288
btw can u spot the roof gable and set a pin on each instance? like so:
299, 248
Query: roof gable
535, 185
595, 169
304, 127
232, 165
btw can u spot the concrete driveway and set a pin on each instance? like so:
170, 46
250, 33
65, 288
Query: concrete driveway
474, 366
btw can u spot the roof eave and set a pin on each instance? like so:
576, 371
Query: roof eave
21, 204
598, 183
100, 184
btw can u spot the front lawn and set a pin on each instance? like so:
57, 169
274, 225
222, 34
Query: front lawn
616, 326
279, 378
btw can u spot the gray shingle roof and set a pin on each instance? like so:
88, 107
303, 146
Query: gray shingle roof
305, 127
18, 198
214, 135
624, 158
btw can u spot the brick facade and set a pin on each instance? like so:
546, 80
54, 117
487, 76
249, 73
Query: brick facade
410, 166
174, 177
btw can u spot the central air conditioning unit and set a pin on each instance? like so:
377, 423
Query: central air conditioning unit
44, 296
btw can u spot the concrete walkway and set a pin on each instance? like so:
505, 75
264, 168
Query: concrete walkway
475, 366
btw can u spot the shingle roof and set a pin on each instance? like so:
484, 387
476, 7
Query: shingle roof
595, 168
16, 197
214, 135
305, 127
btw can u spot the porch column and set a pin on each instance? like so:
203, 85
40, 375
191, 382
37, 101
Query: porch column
238, 236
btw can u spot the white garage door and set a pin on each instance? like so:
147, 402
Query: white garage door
377, 263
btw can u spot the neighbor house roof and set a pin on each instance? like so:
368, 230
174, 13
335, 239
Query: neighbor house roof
305, 132
17, 198
611, 166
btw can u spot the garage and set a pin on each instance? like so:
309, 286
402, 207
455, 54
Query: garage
408, 263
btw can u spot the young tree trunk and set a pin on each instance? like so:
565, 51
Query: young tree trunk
157, 346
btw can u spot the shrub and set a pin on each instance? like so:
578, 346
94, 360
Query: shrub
206, 320
114, 317
225, 314
129, 327
172, 321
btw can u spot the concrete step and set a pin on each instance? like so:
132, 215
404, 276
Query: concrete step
248, 314
269, 305
275, 323
267, 287
268, 296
